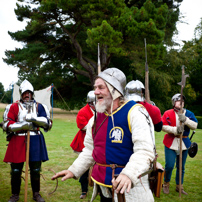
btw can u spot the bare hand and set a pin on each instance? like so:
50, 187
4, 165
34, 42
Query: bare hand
121, 183
66, 174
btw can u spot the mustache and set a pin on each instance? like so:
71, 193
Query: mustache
27, 97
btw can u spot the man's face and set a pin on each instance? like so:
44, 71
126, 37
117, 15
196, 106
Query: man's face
103, 96
177, 104
26, 96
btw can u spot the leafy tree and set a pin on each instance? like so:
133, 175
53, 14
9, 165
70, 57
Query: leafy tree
5, 97
191, 54
61, 38
1, 90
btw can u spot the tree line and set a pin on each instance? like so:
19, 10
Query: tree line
61, 39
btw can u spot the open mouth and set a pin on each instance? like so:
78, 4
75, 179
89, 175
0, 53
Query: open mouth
99, 98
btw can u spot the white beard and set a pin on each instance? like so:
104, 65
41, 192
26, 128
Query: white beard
102, 107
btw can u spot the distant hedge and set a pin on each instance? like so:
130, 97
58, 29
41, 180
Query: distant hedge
199, 118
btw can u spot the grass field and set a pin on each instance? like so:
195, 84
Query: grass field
61, 156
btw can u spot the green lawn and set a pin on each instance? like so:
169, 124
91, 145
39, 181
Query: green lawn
61, 156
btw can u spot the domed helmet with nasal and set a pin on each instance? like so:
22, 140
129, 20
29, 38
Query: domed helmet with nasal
115, 77
26, 86
135, 91
177, 97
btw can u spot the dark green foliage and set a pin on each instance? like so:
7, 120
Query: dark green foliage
61, 38
5, 97
1, 90
199, 118
190, 56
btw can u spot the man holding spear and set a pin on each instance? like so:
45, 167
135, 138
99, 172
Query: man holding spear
177, 123
23, 124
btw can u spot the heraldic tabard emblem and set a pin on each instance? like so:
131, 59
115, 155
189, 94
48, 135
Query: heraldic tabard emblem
116, 135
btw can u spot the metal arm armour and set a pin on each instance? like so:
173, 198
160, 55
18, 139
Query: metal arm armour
40, 122
21, 126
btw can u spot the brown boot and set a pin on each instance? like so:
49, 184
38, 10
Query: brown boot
37, 197
182, 189
14, 198
166, 187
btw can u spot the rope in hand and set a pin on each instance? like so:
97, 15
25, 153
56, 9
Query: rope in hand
50, 169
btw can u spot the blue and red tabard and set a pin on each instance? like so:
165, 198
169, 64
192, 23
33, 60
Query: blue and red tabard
112, 143
169, 118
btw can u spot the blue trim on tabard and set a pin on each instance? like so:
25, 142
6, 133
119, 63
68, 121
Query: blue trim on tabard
12, 93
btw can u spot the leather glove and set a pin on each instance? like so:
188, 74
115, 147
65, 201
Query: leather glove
182, 117
180, 129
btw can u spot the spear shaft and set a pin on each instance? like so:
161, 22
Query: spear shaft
181, 111
147, 96
99, 65
27, 164
27, 159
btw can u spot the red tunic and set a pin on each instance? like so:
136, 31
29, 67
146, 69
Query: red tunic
82, 119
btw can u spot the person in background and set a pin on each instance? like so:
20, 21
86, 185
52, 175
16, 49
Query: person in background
77, 145
171, 125
22, 116
134, 90
118, 143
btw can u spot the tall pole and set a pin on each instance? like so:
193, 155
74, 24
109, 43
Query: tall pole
12, 86
147, 96
27, 158
52, 86
27, 165
99, 65
182, 83
180, 166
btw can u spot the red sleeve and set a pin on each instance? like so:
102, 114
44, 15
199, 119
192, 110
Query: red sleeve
83, 116
13, 114
156, 115
153, 111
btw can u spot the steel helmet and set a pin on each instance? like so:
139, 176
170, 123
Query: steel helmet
115, 78
177, 97
26, 85
134, 91
91, 96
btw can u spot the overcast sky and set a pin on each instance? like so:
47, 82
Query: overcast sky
191, 9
